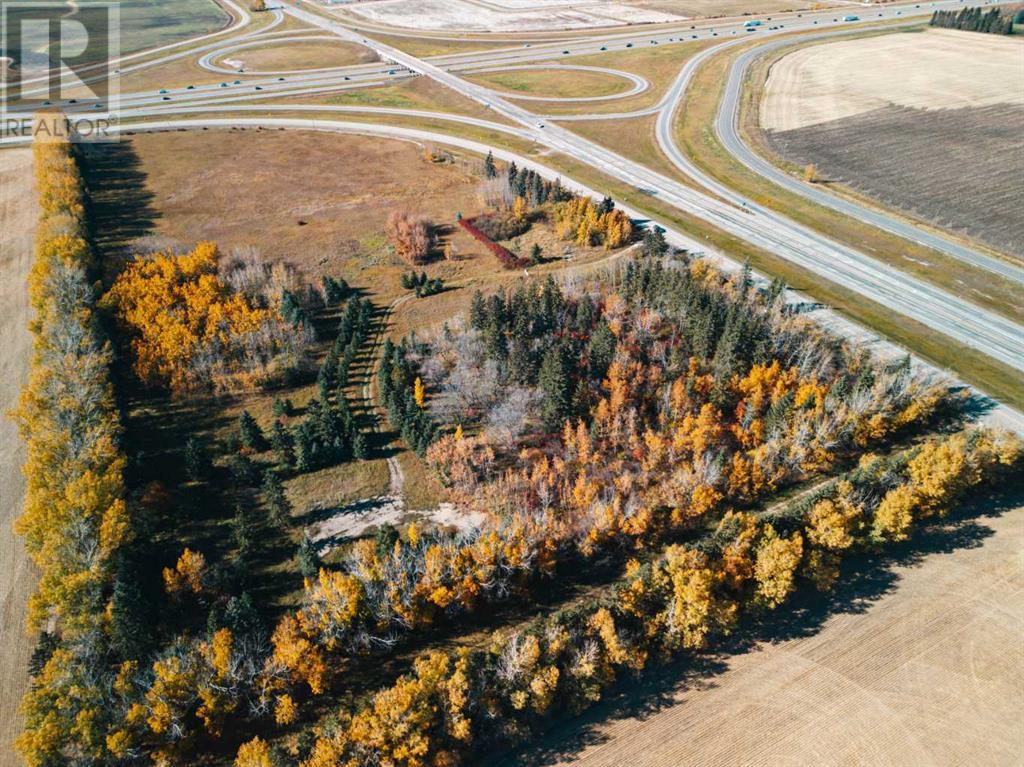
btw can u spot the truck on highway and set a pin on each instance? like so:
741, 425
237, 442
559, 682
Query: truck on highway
851, 17
752, 23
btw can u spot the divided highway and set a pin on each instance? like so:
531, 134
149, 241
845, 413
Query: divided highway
967, 323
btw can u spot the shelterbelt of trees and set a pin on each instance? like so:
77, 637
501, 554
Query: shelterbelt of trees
75, 520
455, 705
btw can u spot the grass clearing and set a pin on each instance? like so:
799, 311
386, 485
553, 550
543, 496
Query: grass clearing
415, 93
297, 55
552, 83
18, 216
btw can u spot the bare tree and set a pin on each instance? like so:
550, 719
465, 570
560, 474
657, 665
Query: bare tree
412, 237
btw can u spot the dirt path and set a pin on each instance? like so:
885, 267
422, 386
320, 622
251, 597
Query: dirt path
923, 666
18, 213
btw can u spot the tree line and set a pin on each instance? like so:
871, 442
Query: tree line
76, 521
459, 704
992, 21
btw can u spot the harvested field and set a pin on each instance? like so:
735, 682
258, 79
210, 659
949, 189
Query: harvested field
18, 213
297, 55
959, 169
936, 69
917, 661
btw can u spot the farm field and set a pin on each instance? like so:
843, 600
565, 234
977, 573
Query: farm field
917, 661
956, 98
934, 69
146, 24
18, 213
955, 168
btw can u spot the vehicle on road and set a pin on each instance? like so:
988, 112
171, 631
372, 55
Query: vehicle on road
752, 23
851, 17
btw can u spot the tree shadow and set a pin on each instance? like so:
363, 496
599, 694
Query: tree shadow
866, 578
120, 205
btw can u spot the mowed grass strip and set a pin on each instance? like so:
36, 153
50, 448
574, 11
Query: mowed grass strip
695, 134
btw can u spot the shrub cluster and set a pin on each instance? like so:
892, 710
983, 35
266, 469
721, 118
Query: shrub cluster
507, 258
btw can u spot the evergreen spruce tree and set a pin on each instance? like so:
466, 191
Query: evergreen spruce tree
309, 560
242, 617
198, 466
249, 432
283, 443
490, 171
129, 633
556, 385
360, 450
278, 505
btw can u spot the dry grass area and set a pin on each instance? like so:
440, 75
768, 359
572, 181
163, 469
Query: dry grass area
239, 189
918, 661
18, 214
658, 64
296, 55
890, 154
415, 93
552, 83
937, 69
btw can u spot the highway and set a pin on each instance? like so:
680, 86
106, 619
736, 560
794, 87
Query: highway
971, 325
727, 128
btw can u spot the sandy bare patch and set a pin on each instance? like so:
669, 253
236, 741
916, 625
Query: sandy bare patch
929, 673
506, 15
18, 214
362, 517
937, 69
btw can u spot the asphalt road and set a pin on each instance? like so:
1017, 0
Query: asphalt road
727, 128
971, 325
996, 336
